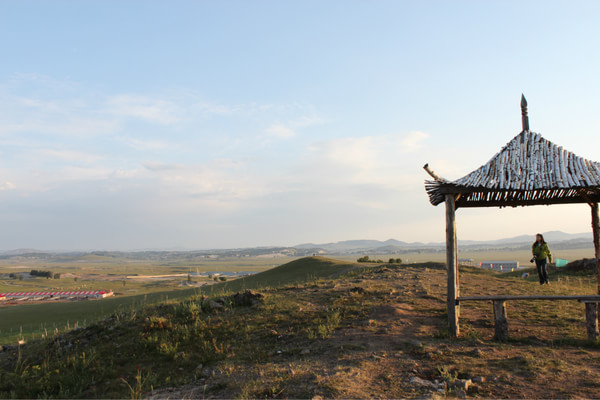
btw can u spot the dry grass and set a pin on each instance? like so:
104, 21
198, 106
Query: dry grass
374, 333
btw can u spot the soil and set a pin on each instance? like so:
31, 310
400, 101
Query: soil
402, 349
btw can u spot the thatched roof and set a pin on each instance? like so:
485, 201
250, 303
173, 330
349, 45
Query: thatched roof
529, 170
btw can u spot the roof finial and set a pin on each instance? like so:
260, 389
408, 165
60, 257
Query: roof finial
524, 117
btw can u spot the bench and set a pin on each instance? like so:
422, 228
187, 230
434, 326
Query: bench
501, 322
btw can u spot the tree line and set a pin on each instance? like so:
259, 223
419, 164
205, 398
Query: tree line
44, 274
366, 259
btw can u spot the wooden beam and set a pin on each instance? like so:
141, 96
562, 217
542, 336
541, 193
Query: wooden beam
431, 173
522, 203
452, 266
585, 196
586, 298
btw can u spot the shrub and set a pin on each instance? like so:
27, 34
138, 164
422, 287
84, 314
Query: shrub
44, 274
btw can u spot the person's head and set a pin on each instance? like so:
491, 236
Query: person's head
539, 238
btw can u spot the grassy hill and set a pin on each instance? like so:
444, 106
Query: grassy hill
322, 329
34, 319
301, 270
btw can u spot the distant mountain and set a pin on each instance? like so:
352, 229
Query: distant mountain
557, 239
20, 252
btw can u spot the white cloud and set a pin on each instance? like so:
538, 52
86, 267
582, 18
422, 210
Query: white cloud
75, 123
143, 107
386, 160
281, 131
6, 185
68, 155
413, 142
147, 144
221, 182
289, 129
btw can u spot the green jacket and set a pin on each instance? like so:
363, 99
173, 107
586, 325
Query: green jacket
540, 252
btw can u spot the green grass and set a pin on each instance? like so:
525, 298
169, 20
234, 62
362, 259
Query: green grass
172, 342
325, 328
301, 270
30, 320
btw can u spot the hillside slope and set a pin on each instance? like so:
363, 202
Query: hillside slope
301, 270
31, 319
369, 332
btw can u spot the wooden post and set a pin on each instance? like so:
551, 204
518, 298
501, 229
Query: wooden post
596, 232
451, 266
591, 319
524, 116
500, 320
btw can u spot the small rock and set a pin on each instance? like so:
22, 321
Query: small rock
248, 298
479, 379
213, 305
413, 343
435, 396
525, 275
305, 352
415, 380
463, 384
477, 353
461, 394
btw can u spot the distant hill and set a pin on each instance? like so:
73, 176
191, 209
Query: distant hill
559, 240
301, 270
20, 252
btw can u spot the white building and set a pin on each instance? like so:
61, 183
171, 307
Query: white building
504, 266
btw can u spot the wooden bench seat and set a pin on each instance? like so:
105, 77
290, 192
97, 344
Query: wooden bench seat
591, 302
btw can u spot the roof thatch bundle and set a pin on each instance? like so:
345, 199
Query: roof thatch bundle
529, 170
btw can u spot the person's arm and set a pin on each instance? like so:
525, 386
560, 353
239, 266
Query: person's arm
548, 253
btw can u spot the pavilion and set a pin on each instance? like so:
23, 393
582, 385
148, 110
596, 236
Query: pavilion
528, 171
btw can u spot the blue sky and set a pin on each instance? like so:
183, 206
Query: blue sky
213, 124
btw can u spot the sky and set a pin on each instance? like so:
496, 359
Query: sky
130, 125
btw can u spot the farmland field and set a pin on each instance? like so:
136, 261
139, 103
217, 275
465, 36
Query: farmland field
523, 256
124, 276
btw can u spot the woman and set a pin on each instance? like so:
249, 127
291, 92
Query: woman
540, 252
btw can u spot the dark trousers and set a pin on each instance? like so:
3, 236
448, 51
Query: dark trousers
541, 268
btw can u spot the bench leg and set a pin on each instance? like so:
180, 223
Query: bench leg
500, 321
591, 318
